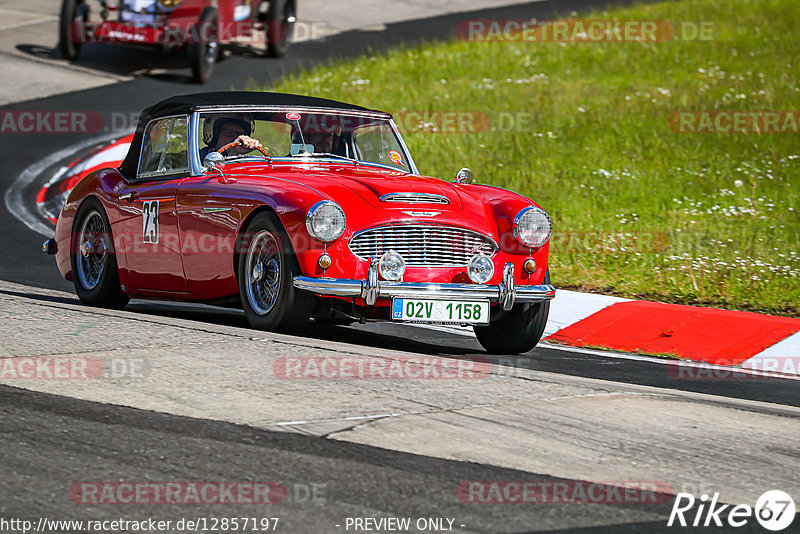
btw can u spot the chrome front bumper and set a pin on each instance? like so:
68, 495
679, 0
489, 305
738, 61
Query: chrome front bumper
371, 289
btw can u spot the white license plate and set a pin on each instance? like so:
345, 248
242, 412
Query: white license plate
440, 311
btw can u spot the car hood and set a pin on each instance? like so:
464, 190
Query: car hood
480, 207
372, 184
366, 182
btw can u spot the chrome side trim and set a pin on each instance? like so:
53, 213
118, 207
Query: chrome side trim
339, 287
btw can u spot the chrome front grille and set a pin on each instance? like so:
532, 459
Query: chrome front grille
415, 198
423, 245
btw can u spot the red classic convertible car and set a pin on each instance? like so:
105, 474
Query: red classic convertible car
294, 208
199, 27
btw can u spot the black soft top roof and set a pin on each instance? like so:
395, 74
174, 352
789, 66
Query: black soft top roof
184, 104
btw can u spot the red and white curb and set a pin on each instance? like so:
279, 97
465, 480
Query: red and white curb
720, 337
52, 194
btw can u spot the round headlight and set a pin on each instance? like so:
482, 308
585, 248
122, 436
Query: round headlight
480, 268
391, 265
325, 221
532, 227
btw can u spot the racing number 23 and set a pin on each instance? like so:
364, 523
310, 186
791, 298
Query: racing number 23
150, 221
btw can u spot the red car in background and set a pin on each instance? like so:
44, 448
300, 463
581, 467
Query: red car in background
200, 27
294, 208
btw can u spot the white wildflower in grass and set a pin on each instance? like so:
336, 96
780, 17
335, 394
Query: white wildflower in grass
738, 183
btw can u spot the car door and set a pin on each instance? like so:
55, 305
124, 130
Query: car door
150, 233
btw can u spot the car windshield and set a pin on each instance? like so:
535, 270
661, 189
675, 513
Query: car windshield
288, 135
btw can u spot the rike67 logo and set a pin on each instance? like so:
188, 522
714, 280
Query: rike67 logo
774, 511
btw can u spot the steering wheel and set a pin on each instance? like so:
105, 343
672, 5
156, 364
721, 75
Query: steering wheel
237, 142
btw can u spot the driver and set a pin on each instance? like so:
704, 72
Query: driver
227, 130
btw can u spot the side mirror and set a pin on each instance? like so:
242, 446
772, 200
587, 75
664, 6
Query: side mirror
214, 161
464, 176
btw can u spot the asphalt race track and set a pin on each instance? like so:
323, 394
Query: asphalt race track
57, 440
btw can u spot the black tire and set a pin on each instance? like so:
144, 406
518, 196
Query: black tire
68, 43
204, 48
265, 243
518, 330
279, 25
103, 289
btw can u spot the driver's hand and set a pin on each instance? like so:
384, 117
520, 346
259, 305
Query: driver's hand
248, 142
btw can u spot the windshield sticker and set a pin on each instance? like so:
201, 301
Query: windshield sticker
293, 116
395, 156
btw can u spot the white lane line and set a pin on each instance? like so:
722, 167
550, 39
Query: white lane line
354, 418
14, 199
28, 23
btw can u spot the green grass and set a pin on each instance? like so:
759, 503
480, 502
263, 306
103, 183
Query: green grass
599, 155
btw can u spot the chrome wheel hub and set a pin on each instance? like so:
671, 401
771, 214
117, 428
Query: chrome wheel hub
263, 272
258, 272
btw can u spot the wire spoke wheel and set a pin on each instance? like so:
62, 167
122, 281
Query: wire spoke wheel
263, 272
92, 250
266, 267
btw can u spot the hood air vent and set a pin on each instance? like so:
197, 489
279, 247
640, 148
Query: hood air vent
415, 198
